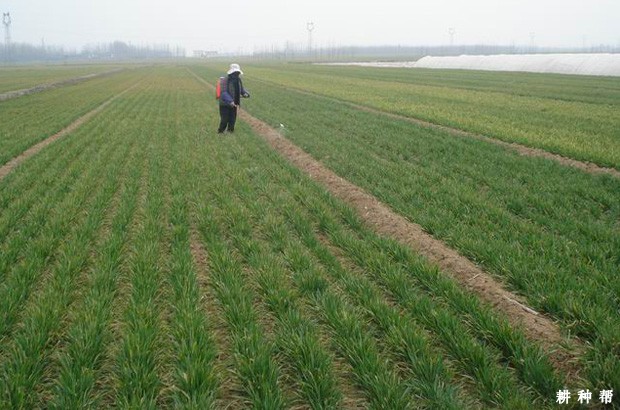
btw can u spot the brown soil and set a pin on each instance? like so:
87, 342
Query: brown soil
585, 166
389, 223
42, 87
9, 166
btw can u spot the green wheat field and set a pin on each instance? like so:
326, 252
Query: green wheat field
148, 262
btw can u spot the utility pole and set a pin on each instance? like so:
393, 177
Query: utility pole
6, 20
451, 32
310, 28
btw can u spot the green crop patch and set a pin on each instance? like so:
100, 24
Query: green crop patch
32, 118
572, 116
148, 262
12, 79
549, 231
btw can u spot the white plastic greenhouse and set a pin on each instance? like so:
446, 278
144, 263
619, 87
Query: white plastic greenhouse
582, 64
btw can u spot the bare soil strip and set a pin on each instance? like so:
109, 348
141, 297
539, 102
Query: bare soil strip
42, 87
585, 166
9, 166
389, 223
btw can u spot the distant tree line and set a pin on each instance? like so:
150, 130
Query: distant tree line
121, 50
117, 50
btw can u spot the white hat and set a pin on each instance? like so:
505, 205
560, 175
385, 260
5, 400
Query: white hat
234, 68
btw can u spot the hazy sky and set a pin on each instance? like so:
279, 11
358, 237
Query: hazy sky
246, 25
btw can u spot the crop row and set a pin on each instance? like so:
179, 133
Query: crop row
582, 130
275, 221
54, 210
548, 231
105, 304
99, 306
32, 118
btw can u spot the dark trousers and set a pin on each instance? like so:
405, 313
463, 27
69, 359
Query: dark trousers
228, 117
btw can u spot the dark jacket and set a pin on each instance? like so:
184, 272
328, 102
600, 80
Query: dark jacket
232, 90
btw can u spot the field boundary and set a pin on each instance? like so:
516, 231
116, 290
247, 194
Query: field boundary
524, 150
47, 86
14, 162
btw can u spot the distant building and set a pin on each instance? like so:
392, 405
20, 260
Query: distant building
204, 53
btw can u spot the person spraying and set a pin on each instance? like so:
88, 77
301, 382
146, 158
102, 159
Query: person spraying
229, 92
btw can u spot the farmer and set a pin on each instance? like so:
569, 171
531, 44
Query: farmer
232, 91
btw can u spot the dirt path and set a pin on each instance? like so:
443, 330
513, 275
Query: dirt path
585, 166
42, 87
9, 166
387, 222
